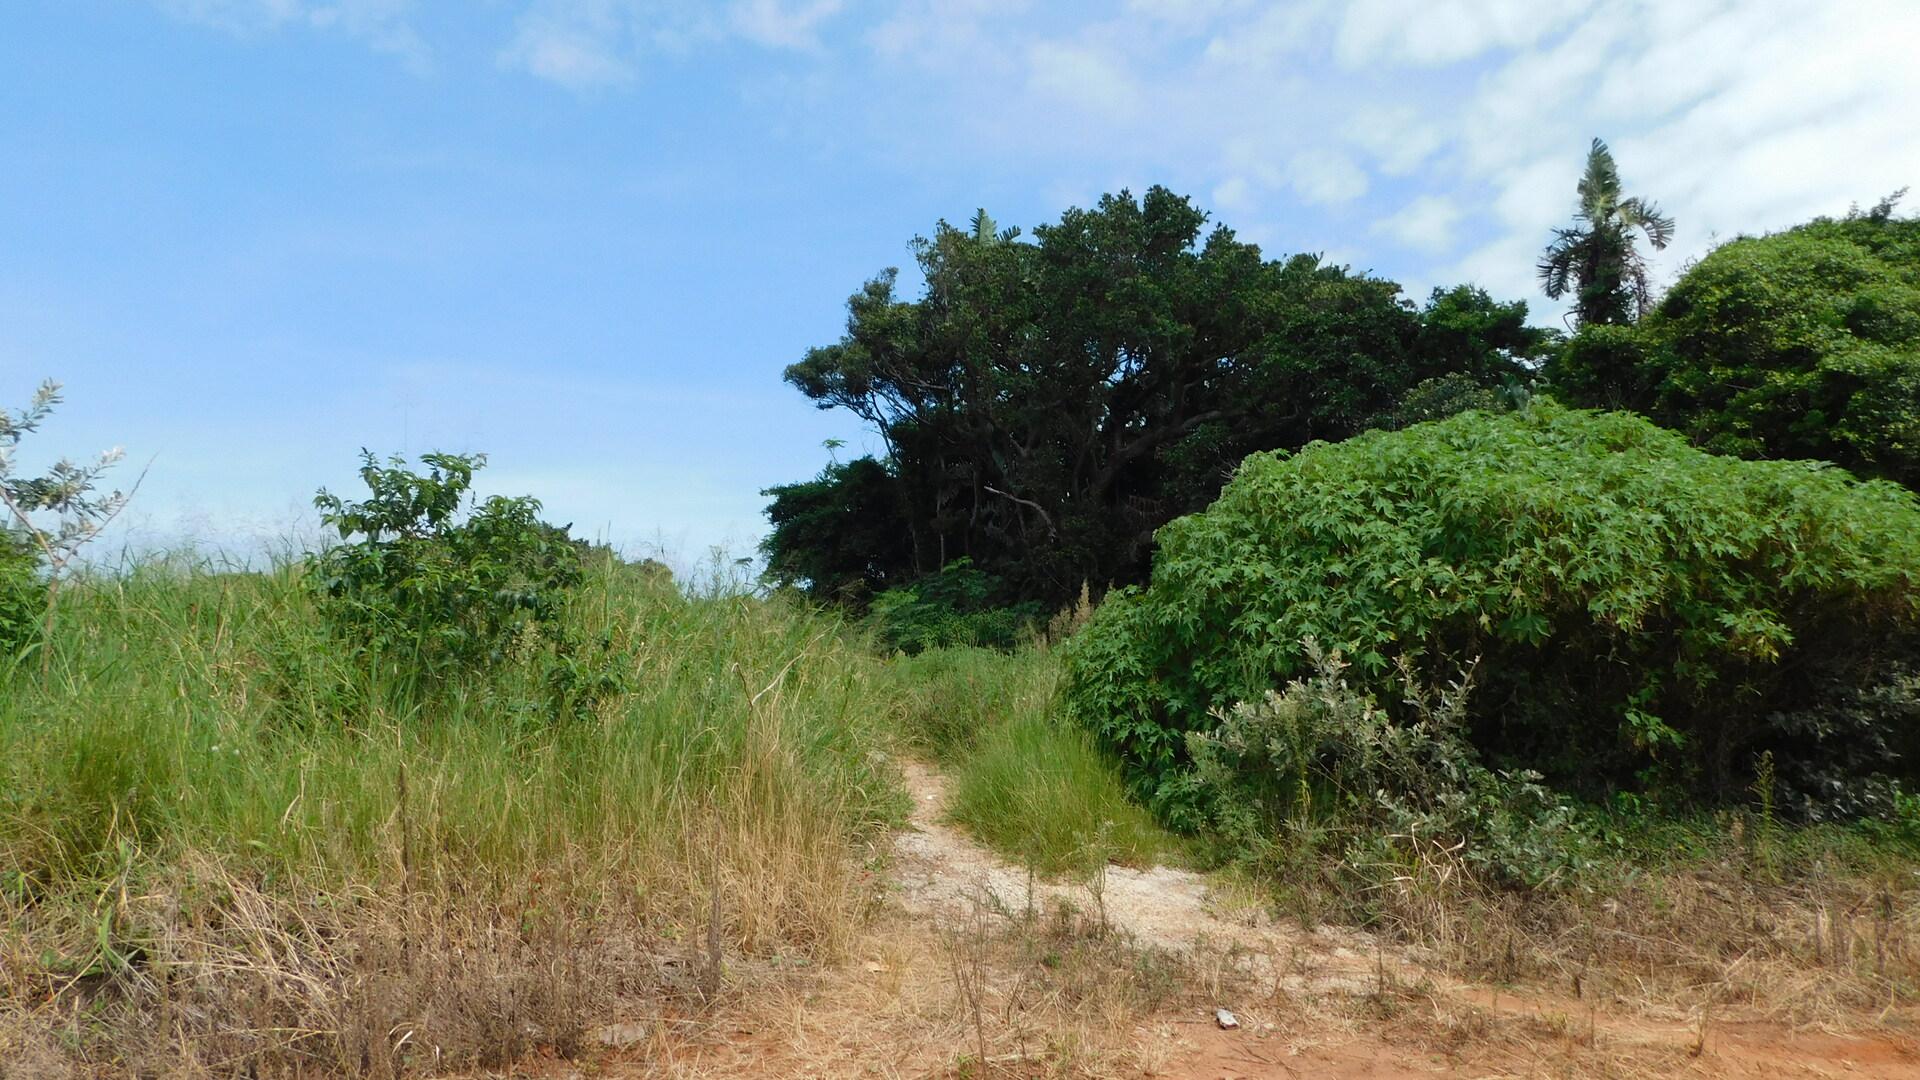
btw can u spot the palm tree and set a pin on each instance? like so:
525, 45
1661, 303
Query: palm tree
1596, 259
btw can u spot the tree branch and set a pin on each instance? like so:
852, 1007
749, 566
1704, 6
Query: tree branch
1052, 532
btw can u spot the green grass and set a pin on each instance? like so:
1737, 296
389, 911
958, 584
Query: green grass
1025, 782
208, 712
199, 763
218, 827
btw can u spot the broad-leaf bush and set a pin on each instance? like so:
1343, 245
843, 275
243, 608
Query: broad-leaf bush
416, 578
1638, 608
1802, 344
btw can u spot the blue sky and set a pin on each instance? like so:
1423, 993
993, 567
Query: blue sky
585, 236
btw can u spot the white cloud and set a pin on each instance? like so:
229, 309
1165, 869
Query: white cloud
1442, 31
1426, 224
1281, 31
945, 35
1736, 115
1397, 137
580, 45
591, 44
1326, 176
383, 24
1234, 193
1083, 78
782, 24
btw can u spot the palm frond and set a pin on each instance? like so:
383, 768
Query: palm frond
1558, 263
1638, 213
1638, 282
1600, 184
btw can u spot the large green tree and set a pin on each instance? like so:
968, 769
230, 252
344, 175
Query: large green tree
1047, 405
1802, 344
1598, 259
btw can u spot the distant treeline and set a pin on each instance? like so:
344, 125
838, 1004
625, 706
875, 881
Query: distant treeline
1047, 405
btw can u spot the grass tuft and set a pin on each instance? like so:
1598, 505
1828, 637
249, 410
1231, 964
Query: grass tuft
1026, 782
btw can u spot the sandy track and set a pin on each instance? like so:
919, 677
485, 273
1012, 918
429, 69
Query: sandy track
943, 873
1327, 1003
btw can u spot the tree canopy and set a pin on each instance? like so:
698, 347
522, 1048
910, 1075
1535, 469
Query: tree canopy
1802, 344
1047, 404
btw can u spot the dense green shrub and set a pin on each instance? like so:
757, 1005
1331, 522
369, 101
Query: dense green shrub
23, 596
1803, 344
1451, 395
415, 579
842, 536
960, 605
1638, 607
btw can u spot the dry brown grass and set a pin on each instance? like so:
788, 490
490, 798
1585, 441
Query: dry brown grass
235, 975
985, 993
1836, 948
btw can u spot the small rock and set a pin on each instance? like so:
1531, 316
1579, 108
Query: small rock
1225, 1018
622, 1034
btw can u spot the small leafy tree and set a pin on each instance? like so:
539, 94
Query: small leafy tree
51, 518
414, 579
960, 605
1597, 260
1321, 768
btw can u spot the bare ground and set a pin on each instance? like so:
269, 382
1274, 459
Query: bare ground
973, 968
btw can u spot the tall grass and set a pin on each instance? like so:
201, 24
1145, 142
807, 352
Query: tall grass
1025, 781
225, 844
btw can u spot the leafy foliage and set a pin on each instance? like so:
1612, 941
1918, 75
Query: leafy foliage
22, 594
1846, 747
66, 491
1805, 343
842, 536
961, 605
1597, 260
1047, 405
415, 579
1451, 395
1320, 768
1637, 606
51, 518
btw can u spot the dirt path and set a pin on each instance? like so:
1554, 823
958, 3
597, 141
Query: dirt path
953, 980
943, 873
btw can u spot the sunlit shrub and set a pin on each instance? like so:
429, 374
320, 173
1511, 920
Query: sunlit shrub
1638, 608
